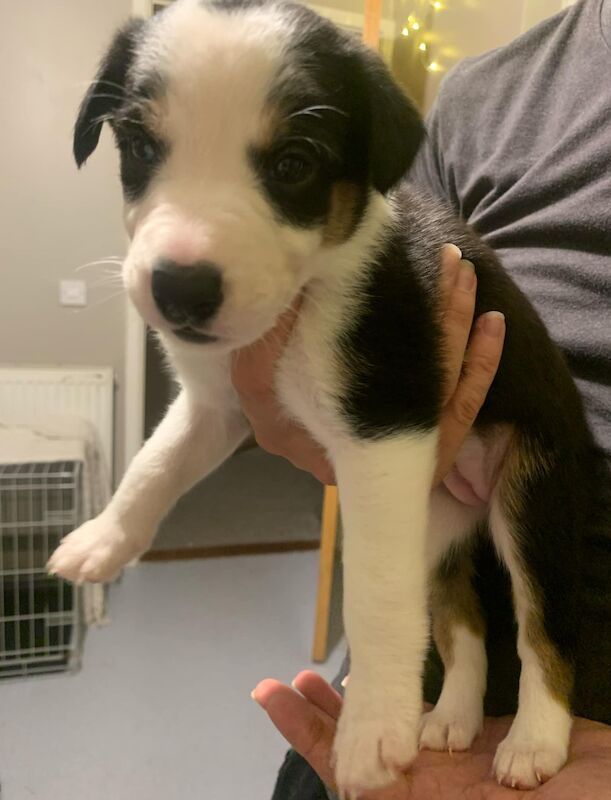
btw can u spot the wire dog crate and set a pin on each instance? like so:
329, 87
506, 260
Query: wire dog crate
40, 615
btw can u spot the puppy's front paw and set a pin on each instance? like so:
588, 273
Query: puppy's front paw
375, 742
97, 551
524, 764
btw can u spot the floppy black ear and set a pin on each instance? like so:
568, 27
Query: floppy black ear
107, 91
396, 128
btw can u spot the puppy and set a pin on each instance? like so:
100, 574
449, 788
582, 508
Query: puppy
261, 154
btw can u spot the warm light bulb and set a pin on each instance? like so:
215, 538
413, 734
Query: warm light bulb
415, 26
422, 47
405, 31
434, 67
437, 5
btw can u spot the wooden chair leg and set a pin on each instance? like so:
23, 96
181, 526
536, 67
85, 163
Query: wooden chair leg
328, 537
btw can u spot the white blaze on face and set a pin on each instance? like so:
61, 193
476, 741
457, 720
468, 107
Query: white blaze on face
216, 70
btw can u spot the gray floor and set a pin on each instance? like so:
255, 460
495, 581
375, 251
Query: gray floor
161, 708
254, 497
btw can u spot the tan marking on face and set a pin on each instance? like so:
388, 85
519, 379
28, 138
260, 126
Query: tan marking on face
273, 126
342, 219
154, 111
454, 602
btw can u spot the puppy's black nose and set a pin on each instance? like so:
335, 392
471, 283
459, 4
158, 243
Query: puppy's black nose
187, 295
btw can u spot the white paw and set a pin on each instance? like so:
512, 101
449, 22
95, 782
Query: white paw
97, 551
524, 764
374, 744
450, 729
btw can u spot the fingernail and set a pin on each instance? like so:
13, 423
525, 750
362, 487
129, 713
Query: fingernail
344, 682
254, 696
466, 275
294, 685
494, 322
453, 247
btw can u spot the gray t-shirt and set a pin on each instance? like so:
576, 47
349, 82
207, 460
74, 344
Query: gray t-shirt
520, 145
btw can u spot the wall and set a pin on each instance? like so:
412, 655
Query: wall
471, 27
53, 218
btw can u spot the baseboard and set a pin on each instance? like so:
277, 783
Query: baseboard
225, 550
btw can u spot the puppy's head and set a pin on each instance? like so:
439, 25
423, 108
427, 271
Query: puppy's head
253, 136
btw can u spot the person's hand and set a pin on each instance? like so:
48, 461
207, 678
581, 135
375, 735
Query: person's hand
472, 358
307, 719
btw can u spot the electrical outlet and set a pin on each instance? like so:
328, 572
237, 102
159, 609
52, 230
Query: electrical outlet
72, 293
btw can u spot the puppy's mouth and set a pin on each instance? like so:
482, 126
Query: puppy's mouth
187, 334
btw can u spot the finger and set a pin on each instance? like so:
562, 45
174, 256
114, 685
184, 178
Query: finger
277, 336
450, 258
324, 474
306, 454
316, 689
457, 323
290, 441
253, 367
483, 358
481, 363
301, 724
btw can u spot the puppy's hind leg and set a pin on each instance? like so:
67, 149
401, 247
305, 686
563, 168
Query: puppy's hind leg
533, 527
458, 628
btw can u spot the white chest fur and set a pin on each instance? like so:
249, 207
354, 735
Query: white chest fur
310, 376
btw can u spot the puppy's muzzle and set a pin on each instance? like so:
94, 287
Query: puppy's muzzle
188, 296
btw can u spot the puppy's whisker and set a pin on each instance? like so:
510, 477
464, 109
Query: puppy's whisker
110, 260
317, 145
105, 96
120, 118
100, 302
103, 82
108, 279
111, 116
313, 111
105, 284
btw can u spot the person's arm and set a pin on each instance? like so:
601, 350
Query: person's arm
473, 356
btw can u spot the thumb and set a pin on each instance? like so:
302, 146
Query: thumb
307, 730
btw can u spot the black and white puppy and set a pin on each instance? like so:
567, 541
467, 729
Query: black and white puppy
260, 150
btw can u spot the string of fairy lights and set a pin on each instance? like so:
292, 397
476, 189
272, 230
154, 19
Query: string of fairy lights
416, 29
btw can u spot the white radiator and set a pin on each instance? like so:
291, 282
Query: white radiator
86, 391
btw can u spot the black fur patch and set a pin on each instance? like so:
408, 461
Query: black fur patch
136, 173
563, 529
107, 92
339, 101
391, 350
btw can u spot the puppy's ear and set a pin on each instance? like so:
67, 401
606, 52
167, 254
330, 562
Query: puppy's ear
106, 92
396, 129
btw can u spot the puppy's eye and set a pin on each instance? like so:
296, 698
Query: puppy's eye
292, 168
143, 149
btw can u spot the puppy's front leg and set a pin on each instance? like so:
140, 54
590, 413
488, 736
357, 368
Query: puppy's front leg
193, 438
385, 491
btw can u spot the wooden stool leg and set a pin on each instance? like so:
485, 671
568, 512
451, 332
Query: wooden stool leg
328, 536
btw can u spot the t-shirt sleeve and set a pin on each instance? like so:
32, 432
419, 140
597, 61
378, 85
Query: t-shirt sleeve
429, 171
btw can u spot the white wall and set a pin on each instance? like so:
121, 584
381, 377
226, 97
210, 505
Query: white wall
537, 10
53, 218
